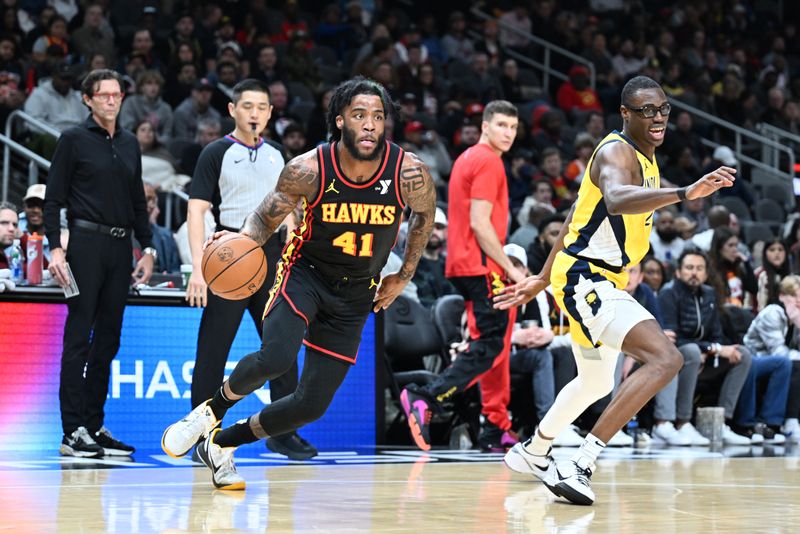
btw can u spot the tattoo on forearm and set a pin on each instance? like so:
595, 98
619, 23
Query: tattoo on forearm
268, 215
420, 226
412, 179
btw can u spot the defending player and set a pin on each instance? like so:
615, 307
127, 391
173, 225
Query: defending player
353, 191
607, 230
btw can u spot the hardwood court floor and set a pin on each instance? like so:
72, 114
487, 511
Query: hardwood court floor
679, 493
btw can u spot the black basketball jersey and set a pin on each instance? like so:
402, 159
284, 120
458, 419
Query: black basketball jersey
349, 228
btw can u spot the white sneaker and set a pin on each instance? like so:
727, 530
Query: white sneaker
695, 438
520, 460
665, 433
180, 437
569, 437
220, 461
729, 437
573, 482
791, 429
620, 439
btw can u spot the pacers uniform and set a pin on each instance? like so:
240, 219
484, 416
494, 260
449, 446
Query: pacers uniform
588, 275
331, 266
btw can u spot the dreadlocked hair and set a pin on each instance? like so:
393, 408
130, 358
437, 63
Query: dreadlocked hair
343, 95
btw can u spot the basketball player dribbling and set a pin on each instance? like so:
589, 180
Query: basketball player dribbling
353, 192
607, 230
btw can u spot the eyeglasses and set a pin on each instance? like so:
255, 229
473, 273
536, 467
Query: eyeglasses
649, 111
105, 97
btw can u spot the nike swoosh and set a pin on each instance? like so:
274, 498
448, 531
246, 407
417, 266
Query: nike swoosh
238, 160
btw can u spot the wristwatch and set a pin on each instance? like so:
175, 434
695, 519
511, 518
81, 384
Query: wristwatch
151, 251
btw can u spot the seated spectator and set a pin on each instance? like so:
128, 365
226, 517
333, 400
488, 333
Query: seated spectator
684, 137
431, 150
429, 277
55, 102
32, 219
654, 273
725, 156
733, 278
227, 76
665, 242
207, 130
550, 169
760, 416
575, 95
56, 36
455, 43
299, 66
158, 165
519, 174
481, 83
776, 332
193, 110
584, 147
294, 141
9, 223
467, 135
267, 66
142, 46
695, 211
689, 309
682, 170
180, 87
774, 267
685, 228
12, 94
718, 217
551, 134
94, 37
163, 241
595, 126
549, 228
626, 63
148, 105
674, 404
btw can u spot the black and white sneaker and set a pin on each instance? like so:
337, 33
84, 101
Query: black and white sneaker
573, 482
112, 446
80, 444
220, 461
520, 460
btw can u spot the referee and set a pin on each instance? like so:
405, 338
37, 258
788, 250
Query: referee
232, 176
96, 173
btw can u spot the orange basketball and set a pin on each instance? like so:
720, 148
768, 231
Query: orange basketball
234, 266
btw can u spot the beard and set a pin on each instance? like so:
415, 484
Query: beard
349, 142
434, 243
668, 236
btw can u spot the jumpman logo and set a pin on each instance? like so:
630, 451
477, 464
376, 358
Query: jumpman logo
332, 187
372, 283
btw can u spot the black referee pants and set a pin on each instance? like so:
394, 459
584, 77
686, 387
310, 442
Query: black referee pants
218, 327
102, 266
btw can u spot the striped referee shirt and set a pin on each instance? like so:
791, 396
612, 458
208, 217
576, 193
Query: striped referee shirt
235, 178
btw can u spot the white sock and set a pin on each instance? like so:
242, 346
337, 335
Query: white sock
537, 445
588, 451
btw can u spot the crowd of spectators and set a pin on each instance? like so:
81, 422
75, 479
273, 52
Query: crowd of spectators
180, 59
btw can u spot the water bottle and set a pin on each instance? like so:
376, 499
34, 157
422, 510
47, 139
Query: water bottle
15, 263
633, 430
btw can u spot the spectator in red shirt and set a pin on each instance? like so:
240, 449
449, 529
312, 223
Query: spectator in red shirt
478, 268
575, 94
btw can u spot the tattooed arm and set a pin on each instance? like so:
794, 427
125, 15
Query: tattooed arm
416, 187
299, 178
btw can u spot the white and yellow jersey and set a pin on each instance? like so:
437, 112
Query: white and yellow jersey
610, 241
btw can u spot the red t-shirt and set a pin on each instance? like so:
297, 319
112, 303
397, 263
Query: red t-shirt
477, 173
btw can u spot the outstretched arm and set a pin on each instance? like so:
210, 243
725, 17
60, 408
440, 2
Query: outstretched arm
299, 178
418, 192
615, 171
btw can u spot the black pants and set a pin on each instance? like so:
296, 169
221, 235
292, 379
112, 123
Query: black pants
102, 268
218, 326
328, 316
491, 325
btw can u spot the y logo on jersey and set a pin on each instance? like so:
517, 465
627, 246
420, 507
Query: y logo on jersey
332, 187
384, 187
